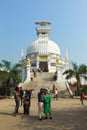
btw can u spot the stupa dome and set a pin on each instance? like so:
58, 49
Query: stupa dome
52, 47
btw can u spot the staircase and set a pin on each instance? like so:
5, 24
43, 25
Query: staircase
45, 80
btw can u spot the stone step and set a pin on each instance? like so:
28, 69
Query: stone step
45, 80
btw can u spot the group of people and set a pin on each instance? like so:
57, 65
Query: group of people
44, 104
22, 97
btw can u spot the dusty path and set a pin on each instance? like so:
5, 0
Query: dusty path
68, 114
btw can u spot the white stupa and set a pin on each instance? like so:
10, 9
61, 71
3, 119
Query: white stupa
43, 52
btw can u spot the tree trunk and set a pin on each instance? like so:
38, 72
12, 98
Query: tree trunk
78, 86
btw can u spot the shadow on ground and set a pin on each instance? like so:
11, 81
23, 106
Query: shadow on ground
75, 119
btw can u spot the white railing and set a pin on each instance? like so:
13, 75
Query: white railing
69, 89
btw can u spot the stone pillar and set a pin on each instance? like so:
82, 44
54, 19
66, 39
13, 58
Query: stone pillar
59, 70
37, 62
48, 64
28, 76
23, 74
59, 73
23, 70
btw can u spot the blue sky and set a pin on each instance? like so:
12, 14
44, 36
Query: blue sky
68, 29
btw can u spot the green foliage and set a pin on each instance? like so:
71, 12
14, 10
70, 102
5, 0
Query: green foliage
76, 72
84, 89
2, 90
9, 75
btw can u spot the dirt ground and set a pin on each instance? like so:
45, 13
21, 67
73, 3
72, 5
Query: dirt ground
68, 114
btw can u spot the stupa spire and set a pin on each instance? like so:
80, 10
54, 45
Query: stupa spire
43, 27
66, 54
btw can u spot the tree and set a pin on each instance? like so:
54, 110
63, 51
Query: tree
10, 74
76, 72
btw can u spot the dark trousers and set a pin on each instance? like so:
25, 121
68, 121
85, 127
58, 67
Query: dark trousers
16, 107
56, 96
21, 101
26, 109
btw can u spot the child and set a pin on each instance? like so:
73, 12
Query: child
56, 94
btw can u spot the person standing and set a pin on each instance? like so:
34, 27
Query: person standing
40, 103
21, 95
56, 94
47, 105
82, 98
17, 101
34, 72
27, 102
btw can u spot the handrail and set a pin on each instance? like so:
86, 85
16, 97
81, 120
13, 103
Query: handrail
69, 89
